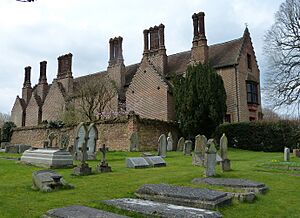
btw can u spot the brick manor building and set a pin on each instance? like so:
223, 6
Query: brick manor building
145, 87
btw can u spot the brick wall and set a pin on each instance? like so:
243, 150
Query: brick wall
114, 133
54, 103
17, 113
32, 113
147, 94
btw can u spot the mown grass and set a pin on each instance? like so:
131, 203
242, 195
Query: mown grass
17, 199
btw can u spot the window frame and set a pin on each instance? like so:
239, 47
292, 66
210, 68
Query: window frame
252, 92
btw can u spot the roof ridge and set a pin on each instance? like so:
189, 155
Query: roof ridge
230, 41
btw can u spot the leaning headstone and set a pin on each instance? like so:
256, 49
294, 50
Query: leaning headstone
286, 154
103, 166
134, 142
48, 180
184, 196
187, 148
210, 159
156, 209
169, 142
91, 142
244, 184
155, 161
50, 158
162, 146
225, 163
180, 144
136, 162
199, 152
76, 211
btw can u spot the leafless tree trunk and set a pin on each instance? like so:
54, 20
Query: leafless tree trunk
94, 95
282, 49
4, 118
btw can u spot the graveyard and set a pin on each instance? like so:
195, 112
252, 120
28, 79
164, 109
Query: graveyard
281, 200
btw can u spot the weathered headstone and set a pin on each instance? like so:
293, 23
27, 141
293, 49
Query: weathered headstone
162, 146
180, 144
244, 184
64, 141
184, 196
134, 142
199, 152
76, 211
48, 180
52, 138
155, 161
80, 139
286, 154
91, 142
151, 208
210, 159
103, 166
50, 158
170, 142
137, 162
187, 149
225, 163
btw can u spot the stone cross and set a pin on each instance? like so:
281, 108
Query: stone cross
162, 146
103, 150
169, 142
210, 159
286, 154
84, 156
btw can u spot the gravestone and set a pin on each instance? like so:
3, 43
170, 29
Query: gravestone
52, 139
103, 166
155, 161
48, 180
225, 163
180, 144
134, 142
244, 184
184, 196
136, 162
199, 152
80, 139
91, 142
162, 146
17, 149
210, 159
50, 158
169, 142
64, 141
187, 148
83, 168
286, 154
157, 209
76, 211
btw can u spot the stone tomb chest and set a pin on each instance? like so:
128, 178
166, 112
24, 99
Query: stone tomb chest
50, 158
155, 161
184, 196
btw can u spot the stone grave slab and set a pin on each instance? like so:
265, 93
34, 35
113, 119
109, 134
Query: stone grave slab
136, 162
244, 184
76, 211
150, 208
155, 161
50, 158
184, 196
48, 180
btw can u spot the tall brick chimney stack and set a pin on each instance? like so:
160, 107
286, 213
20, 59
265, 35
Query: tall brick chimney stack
43, 69
154, 47
116, 68
27, 89
200, 48
64, 66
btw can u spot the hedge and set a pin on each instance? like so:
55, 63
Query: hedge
262, 135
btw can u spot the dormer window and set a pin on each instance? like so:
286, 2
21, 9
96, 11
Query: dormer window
249, 62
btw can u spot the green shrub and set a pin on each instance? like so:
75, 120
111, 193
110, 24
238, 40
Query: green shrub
7, 131
261, 136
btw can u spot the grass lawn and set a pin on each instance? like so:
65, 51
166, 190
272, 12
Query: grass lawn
17, 199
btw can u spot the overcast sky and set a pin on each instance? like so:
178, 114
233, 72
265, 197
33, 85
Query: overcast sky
45, 29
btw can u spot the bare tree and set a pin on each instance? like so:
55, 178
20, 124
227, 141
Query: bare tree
4, 118
282, 49
270, 114
94, 95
